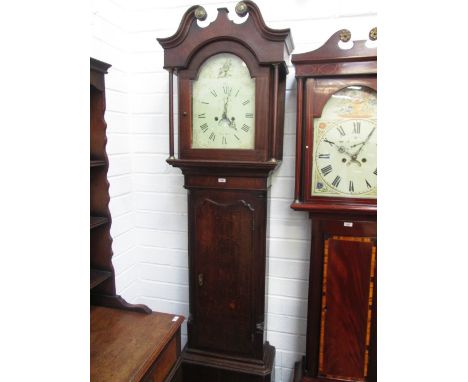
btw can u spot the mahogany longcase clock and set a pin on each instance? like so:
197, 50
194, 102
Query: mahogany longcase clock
231, 82
336, 181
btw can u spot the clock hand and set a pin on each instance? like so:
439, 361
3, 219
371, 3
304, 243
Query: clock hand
230, 122
224, 116
341, 149
357, 144
364, 143
353, 159
224, 119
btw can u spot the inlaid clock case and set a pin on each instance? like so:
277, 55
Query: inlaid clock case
334, 151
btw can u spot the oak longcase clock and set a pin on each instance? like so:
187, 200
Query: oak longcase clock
231, 93
336, 181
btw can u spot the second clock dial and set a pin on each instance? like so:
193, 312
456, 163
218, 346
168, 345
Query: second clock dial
345, 145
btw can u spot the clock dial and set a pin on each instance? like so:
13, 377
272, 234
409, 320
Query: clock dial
345, 145
223, 105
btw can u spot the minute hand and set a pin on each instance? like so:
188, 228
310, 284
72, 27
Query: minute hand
364, 143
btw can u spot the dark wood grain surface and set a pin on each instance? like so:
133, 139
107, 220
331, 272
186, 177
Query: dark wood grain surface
125, 344
337, 326
227, 244
224, 284
345, 313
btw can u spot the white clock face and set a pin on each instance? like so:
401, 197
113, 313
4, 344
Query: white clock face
345, 145
223, 105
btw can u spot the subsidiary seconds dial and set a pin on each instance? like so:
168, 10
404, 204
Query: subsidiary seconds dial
346, 159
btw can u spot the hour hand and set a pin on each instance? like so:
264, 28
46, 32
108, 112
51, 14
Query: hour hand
357, 144
341, 149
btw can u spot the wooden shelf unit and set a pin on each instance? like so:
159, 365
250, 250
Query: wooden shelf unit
100, 217
97, 277
97, 221
96, 163
129, 342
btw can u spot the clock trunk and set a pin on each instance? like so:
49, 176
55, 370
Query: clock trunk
227, 241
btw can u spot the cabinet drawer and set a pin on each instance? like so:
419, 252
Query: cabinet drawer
162, 366
225, 182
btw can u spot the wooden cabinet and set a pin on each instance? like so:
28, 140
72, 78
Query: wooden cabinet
133, 346
129, 342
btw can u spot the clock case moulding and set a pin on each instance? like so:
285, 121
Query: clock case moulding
228, 187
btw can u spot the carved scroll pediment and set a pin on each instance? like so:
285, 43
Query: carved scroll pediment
267, 44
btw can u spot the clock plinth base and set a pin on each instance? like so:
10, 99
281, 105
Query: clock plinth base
209, 367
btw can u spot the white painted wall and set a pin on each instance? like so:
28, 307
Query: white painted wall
149, 205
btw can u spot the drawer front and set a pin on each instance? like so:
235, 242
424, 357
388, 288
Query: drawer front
163, 365
226, 182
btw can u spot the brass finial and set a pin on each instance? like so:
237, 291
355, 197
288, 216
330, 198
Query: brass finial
241, 8
345, 35
373, 34
200, 13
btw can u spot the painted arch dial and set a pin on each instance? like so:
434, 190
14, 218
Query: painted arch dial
345, 145
223, 104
